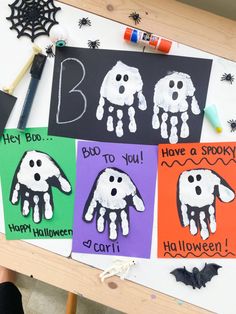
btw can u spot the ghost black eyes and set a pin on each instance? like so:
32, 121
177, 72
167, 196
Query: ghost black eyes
191, 178
31, 163
198, 177
125, 78
112, 179
179, 84
38, 163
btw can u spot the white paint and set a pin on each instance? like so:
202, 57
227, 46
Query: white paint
110, 88
208, 182
36, 216
48, 169
203, 226
25, 209
193, 227
104, 196
119, 87
155, 119
211, 210
184, 132
124, 223
138, 203
132, 124
101, 220
184, 210
164, 133
110, 126
48, 213
111, 109
142, 101
15, 193
173, 131
73, 90
90, 211
112, 226
119, 129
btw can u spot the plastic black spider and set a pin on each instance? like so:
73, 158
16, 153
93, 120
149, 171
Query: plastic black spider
84, 21
93, 44
49, 51
136, 17
232, 124
227, 77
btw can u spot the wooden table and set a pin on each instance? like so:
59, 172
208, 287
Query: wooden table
175, 21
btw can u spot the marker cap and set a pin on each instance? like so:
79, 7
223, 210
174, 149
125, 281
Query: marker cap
38, 65
212, 115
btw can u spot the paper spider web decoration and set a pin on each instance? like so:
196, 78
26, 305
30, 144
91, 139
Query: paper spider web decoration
32, 18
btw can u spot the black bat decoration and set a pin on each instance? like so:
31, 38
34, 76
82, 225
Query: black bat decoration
196, 278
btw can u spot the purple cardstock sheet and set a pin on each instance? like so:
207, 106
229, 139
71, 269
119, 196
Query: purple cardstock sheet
114, 202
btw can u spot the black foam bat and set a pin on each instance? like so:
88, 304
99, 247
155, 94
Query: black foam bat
197, 278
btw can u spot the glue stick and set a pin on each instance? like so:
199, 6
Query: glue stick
148, 39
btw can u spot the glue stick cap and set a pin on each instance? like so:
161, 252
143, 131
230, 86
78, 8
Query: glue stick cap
131, 35
164, 45
212, 115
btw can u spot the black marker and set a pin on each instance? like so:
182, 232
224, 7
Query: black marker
36, 71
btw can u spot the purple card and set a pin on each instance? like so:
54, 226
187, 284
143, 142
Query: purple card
114, 201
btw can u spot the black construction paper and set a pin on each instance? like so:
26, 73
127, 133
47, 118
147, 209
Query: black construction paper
79, 74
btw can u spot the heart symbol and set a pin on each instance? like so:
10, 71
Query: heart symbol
87, 243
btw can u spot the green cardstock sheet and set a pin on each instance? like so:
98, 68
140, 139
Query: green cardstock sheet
37, 174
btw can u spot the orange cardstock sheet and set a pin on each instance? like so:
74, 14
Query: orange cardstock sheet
196, 200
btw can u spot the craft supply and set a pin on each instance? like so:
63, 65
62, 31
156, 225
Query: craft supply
59, 36
232, 124
7, 101
93, 44
119, 267
135, 17
32, 18
212, 115
196, 278
9, 89
84, 21
145, 38
49, 51
228, 77
36, 71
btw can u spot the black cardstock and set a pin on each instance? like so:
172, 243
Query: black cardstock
7, 103
97, 63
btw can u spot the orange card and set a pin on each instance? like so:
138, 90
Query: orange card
196, 200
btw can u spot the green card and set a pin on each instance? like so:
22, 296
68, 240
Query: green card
37, 174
